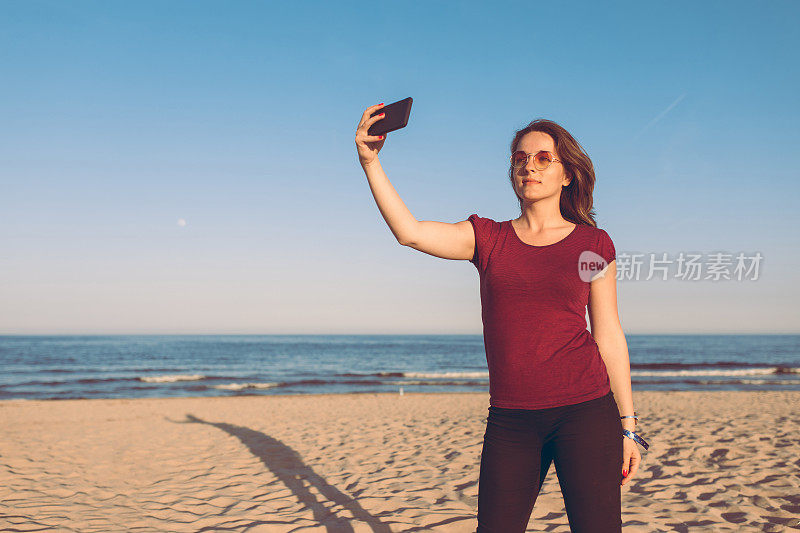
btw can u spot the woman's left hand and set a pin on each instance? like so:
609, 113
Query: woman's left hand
631, 458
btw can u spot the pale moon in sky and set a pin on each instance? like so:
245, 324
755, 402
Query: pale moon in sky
181, 222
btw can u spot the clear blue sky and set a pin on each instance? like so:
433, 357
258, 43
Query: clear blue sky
117, 120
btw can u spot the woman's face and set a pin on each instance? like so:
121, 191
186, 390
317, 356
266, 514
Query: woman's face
533, 184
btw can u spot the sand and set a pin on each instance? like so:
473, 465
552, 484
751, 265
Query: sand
718, 461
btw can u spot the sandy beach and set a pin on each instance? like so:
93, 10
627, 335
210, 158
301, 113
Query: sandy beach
718, 461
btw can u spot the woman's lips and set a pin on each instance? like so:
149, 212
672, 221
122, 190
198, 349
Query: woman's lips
530, 181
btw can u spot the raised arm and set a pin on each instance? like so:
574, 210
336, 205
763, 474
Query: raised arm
440, 239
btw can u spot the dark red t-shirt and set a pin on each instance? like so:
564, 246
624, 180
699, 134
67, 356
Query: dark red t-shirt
539, 351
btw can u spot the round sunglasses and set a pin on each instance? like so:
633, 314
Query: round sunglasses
541, 159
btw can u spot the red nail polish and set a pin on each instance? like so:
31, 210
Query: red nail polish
624, 472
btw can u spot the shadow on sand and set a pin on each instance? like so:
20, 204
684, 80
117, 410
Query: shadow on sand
290, 469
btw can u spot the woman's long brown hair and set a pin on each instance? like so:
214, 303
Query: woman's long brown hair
576, 198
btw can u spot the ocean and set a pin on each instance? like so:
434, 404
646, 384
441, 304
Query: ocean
148, 366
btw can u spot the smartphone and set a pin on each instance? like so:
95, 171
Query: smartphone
396, 117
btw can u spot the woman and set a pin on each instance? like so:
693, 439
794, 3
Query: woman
557, 392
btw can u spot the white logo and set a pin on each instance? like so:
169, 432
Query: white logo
591, 266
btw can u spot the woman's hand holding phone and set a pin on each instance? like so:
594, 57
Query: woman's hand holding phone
369, 145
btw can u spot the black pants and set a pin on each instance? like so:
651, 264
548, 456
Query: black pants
585, 442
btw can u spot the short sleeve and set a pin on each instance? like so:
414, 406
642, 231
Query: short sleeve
487, 232
606, 247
